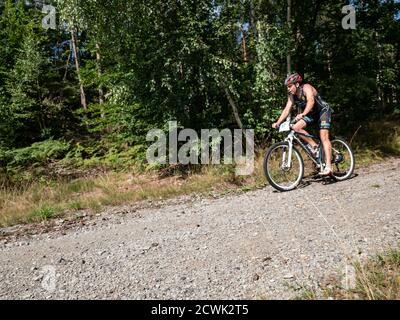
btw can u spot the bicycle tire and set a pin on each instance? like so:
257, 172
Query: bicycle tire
269, 175
339, 175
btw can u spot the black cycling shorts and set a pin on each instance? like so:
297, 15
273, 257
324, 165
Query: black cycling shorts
323, 118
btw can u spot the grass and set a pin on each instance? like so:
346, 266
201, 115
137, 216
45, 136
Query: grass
41, 199
376, 141
43, 213
378, 278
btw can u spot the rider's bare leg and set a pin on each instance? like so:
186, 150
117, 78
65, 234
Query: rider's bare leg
299, 127
324, 134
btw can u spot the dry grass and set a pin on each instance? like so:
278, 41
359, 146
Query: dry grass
376, 141
376, 279
40, 201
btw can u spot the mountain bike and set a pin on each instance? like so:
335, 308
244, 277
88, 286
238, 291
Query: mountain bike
284, 166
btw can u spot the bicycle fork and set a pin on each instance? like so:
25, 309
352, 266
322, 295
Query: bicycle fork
286, 165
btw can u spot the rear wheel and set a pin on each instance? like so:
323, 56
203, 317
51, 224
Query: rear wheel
279, 173
343, 161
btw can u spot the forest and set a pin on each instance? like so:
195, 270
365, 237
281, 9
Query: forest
82, 82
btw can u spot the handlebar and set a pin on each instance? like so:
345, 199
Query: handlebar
291, 123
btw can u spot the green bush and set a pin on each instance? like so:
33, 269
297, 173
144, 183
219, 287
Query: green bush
37, 153
43, 213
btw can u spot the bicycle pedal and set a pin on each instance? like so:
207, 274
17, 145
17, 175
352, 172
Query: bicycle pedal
328, 177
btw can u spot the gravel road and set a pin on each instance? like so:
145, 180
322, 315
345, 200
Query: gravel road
260, 244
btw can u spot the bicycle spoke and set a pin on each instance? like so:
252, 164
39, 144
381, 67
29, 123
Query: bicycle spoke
282, 174
342, 158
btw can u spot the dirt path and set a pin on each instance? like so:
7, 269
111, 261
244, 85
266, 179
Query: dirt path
260, 244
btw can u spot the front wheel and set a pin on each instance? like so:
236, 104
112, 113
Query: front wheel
281, 174
343, 161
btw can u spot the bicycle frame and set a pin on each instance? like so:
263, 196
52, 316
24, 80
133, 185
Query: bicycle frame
292, 137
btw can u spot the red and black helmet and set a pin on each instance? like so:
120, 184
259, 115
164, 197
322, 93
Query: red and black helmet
293, 79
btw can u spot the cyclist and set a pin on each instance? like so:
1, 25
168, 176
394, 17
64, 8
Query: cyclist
311, 109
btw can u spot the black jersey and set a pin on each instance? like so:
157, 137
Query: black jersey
301, 102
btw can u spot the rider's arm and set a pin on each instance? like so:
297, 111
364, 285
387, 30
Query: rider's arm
310, 99
285, 112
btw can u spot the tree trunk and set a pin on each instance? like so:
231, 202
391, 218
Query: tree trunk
329, 63
253, 23
233, 105
245, 56
66, 67
99, 72
244, 46
75, 49
289, 18
381, 100
247, 134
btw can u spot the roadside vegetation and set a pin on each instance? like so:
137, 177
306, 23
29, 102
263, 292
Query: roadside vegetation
377, 278
36, 187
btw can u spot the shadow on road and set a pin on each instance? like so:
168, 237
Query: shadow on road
309, 180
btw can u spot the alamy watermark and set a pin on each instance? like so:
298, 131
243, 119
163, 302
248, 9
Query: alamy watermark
49, 20
349, 21
49, 279
196, 150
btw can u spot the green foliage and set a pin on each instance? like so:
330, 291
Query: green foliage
144, 63
37, 153
43, 213
31, 90
381, 136
269, 92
